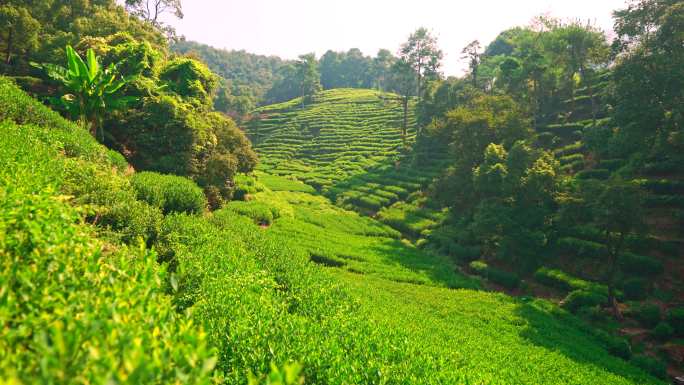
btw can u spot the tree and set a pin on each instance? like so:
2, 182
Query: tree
331, 77
93, 88
580, 49
151, 10
381, 67
616, 208
423, 55
472, 53
404, 83
308, 76
19, 32
649, 77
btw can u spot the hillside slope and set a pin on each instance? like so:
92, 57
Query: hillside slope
454, 332
348, 144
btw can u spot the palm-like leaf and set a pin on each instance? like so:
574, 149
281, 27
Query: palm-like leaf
93, 66
92, 87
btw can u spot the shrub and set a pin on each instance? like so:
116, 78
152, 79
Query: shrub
620, 347
117, 160
662, 186
580, 247
111, 201
545, 139
663, 331
616, 346
559, 279
578, 299
246, 185
676, 318
262, 213
571, 159
650, 365
611, 164
83, 311
634, 289
597, 173
648, 314
169, 193
641, 264
501, 277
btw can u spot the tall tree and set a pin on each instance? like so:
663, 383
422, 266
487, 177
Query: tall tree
331, 77
308, 76
404, 81
580, 49
649, 76
423, 55
152, 10
471, 52
19, 31
381, 69
617, 209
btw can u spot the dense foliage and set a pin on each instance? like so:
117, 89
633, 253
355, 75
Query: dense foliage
367, 245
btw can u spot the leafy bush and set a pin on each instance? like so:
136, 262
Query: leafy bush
611, 164
580, 247
262, 213
641, 264
597, 173
662, 186
246, 185
560, 280
648, 314
650, 365
571, 159
51, 128
616, 346
111, 201
663, 331
501, 277
169, 193
676, 318
578, 299
100, 310
635, 289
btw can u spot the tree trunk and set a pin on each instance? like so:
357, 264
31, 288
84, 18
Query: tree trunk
614, 255
93, 127
8, 55
474, 75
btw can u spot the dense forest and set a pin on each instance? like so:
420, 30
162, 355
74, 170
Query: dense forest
175, 213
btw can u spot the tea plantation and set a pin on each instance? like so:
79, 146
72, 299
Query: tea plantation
108, 277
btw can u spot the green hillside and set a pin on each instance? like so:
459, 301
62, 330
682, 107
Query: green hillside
341, 133
369, 309
347, 144
382, 224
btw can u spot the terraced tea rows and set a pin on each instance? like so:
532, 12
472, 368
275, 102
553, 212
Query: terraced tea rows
347, 143
452, 336
340, 134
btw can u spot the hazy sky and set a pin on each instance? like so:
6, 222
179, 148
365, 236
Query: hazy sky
288, 28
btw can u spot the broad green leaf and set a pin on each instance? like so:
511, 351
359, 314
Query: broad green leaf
93, 66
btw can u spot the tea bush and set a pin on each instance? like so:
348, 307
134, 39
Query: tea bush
676, 318
578, 299
648, 314
170, 193
663, 331
501, 277
650, 364
74, 309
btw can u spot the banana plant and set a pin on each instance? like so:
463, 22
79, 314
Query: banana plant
92, 89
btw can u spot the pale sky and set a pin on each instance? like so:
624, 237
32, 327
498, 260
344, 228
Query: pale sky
288, 28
